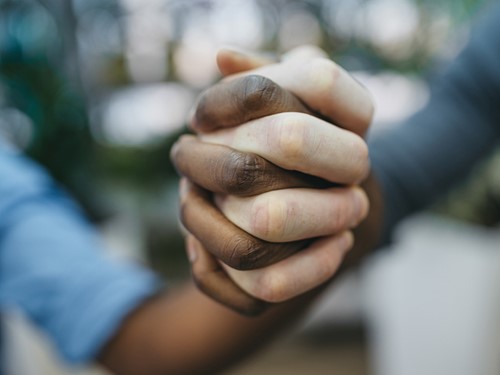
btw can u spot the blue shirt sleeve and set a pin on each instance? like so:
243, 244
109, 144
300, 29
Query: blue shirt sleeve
417, 162
53, 267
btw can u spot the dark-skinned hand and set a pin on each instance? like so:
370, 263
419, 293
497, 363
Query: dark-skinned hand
283, 176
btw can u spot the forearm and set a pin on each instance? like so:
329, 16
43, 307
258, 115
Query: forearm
433, 150
53, 267
149, 343
184, 332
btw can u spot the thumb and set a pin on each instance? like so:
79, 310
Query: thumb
231, 61
304, 53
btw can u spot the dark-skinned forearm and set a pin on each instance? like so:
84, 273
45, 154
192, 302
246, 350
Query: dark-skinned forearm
184, 332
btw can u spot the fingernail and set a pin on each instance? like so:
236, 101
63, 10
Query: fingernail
190, 118
261, 57
235, 51
345, 241
191, 250
183, 188
177, 145
360, 205
173, 150
194, 121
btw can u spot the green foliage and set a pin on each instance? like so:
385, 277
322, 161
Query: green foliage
40, 76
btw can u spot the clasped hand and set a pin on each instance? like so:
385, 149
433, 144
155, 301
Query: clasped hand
270, 189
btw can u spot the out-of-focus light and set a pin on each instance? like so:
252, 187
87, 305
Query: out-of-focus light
34, 29
147, 35
344, 16
396, 96
99, 33
138, 5
389, 25
237, 22
143, 115
390, 21
194, 61
298, 27
444, 44
147, 65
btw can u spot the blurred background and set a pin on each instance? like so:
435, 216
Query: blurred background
98, 90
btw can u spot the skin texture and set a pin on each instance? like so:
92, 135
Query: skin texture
224, 170
241, 100
184, 332
232, 245
295, 140
325, 87
270, 212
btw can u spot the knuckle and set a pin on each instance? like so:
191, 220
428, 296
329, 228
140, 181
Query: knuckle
341, 214
258, 93
357, 158
202, 112
349, 210
308, 51
292, 138
240, 252
360, 159
364, 113
365, 207
183, 213
271, 287
324, 74
177, 154
240, 172
269, 218
329, 265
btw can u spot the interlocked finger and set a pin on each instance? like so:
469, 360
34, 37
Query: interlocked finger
301, 142
237, 101
296, 214
298, 273
224, 170
211, 279
225, 240
325, 87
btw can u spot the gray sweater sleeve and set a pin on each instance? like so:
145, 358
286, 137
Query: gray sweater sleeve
425, 156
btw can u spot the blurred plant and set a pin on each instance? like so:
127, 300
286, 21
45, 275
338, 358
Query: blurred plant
60, 60
36, 82
97, 90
